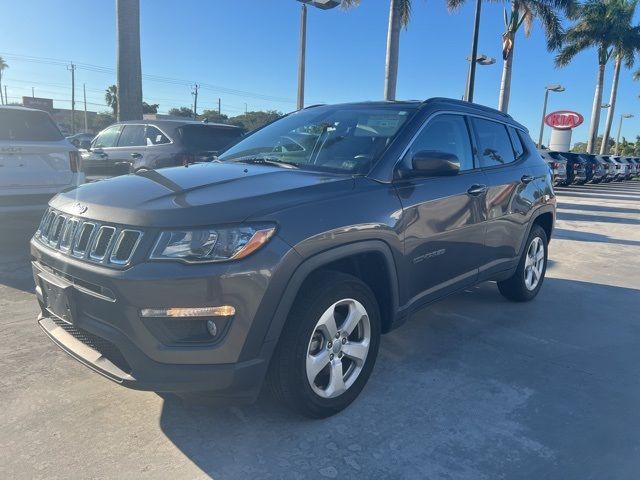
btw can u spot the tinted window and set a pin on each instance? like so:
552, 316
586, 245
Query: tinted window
445, 133
132, 136
24, 126
107, 138
518, 148
494, 145
155, 136
208, 138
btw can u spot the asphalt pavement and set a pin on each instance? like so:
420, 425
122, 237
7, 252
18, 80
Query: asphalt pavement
473, 387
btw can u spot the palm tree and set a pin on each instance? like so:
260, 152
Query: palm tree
597, 23
3, 66
524, 12
399, 16
129, 72
625, 50
111, 99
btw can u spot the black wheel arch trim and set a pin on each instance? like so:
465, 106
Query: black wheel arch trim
274, 324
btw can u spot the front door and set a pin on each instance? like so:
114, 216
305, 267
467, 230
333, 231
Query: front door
442, 218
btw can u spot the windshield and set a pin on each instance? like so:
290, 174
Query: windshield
339, 139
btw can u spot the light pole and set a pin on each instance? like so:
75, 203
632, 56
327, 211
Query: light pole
322, 5
547, 89
481, 59
622, 117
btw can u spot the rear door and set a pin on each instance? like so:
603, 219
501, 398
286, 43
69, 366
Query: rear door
130, 148
442, 217
33, 152
511, 193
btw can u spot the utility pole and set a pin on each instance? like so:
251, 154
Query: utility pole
219, 106
72, 68
195, 100
302, 55
471, 78
84, 92
33, 92
6, 99
246, 109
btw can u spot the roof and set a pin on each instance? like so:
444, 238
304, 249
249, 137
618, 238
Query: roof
175, 123
19, 107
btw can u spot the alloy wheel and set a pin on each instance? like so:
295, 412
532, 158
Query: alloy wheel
534, 264
338, 348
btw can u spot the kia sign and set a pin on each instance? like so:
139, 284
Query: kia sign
563, 119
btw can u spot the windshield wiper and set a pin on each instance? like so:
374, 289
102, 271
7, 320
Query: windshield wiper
263, 160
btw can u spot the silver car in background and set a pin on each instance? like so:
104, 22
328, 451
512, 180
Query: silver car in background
36, 161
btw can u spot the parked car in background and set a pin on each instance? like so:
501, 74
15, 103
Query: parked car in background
81, 140
576, 168
608, 168
633, 168
594, 169
132, 146
36, 161
621, 168
288, 257
636, 160
557, 164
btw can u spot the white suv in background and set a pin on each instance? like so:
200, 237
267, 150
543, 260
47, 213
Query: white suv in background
36, 161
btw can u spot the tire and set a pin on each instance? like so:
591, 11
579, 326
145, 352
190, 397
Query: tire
304, 339
520, 287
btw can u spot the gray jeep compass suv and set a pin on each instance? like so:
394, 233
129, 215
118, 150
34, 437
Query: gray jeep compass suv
287, 257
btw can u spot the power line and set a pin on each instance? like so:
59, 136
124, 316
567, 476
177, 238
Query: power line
149, 77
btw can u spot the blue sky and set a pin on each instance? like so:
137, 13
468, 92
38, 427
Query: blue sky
246, 50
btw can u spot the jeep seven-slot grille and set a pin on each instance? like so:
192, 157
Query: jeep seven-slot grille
87, 239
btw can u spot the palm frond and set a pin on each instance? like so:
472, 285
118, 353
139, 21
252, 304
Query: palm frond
404, 9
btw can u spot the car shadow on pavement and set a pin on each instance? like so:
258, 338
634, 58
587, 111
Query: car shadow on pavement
595, 218
15, 267
563, 234
596, 208
471, 387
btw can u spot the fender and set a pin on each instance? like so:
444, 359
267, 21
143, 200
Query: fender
547, 208
319, 260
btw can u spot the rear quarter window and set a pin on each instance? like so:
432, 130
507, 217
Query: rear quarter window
27, 126
208, 137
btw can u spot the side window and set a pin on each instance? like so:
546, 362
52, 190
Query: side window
518, 148
107, 138
155, 137
445, 133
132, 136
494, 145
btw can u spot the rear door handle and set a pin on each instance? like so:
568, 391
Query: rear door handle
526, 179
136, 155
477, 189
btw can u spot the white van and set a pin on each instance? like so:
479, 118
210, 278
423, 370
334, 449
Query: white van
36, 161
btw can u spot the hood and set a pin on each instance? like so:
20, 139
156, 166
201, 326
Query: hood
201, 194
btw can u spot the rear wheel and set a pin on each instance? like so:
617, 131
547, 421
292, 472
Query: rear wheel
328, 346
527, 280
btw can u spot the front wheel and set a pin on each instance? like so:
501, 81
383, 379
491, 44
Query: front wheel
328, 346
527, 280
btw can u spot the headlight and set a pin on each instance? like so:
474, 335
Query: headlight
211, 245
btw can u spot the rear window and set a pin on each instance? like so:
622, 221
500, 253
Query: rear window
208, 138
27, 126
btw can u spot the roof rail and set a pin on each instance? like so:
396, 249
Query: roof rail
314, 106
468, 104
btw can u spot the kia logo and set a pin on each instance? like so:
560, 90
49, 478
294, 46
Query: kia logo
563, 119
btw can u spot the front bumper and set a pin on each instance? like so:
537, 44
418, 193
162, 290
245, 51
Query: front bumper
107, 333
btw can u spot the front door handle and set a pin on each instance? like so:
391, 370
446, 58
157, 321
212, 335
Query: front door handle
526, 179
477, 189
136, 155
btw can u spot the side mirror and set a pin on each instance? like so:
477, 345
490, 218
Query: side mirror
433, 163
85, 145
